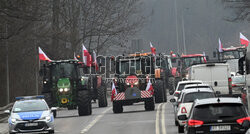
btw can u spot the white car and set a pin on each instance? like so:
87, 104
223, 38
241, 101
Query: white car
180, 86
186, 101
198, 86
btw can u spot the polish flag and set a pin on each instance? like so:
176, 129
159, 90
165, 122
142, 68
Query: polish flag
150, 87
87, 59
43, 56
95, 61
152, 49
220, 46
75, 56
243, 40
114, 92
205, 59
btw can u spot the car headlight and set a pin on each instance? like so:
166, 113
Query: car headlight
60, 89
13, 120
66, 89
47, 118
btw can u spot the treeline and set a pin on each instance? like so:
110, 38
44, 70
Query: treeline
59, 27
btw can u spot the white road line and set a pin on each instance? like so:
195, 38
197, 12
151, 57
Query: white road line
91, 124
163, 126
157, 123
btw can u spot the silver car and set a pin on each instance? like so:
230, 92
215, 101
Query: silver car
31, 114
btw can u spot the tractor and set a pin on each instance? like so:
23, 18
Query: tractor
66, 86
133, 74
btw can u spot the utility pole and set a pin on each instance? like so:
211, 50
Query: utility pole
7, 68
184, 35
176, 26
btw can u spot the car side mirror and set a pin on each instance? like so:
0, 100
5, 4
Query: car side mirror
182, 117
246, 124
53, 108
7, 111
172, 100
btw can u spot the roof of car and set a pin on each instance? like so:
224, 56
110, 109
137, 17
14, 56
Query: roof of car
189, 81
196, 85
193, 90
218, 100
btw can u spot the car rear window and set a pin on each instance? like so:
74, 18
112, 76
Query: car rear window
219, 111
181, 86
198, 87
190, 97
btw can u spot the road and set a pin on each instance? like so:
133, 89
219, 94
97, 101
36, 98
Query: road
134, 120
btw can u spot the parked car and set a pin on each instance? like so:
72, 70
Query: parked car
198, 86
217, 115
186, 101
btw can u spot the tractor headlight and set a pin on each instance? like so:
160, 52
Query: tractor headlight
60, 89
44, 82
66, 89
136, 83
127, 83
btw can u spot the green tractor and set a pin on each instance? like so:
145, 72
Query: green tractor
65, 86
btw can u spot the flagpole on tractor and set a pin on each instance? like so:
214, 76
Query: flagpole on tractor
7, 68
176, 26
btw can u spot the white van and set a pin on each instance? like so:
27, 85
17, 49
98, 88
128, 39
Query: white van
215, 74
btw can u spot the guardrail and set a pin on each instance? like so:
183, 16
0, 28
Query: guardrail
4, 116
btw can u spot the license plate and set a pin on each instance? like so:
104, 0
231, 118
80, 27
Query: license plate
30, 124
221, 128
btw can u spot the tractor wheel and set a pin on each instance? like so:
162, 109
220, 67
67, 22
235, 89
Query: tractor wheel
171, 84
158, 91
164, 92
72, 107
84, 103
150, 104
117, 107
102, 96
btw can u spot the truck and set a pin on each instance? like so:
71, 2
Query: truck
65, 86
215, 74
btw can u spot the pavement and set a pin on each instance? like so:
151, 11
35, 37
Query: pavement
134, 120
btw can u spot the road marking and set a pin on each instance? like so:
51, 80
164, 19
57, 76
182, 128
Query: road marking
157, 129
91, 124
163, 126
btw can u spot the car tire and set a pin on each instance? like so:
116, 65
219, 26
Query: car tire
180, 129
51, 131
54, 113
102, 96
84, 103
171, 84
149, 104
117, 107
176, 123
158, 91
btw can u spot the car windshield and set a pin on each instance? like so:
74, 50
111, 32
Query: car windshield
231, 55
219, 111
181, 86
30, 105
190, 97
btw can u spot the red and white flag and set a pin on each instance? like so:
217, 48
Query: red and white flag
152, 49
243, 40
75, 56
87, 59
43, 56
114, 92
150, 87
220, 46
205, 59
95, 61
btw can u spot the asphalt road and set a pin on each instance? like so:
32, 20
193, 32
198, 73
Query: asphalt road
134, 120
